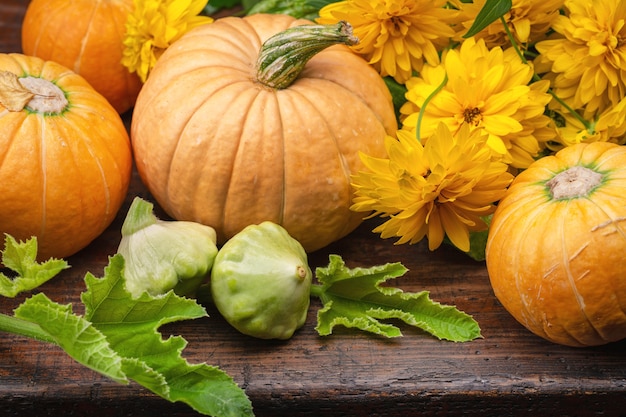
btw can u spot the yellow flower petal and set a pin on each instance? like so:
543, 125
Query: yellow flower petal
486, 89
398, 36
432, 190
153, 26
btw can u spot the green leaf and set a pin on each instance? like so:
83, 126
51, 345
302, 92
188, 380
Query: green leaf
20, 257
130, 326
118, 337
478, 242
214, 6
398, 94
75, 335
355, 298
300, 9
491, 11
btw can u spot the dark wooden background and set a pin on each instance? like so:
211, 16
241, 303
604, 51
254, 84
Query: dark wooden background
509, 372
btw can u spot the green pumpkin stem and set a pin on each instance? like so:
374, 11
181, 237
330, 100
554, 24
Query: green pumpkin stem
284, 55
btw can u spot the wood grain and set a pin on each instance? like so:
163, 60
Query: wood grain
509, 372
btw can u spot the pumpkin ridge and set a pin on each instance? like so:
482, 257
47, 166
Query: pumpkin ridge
150, 102
203, 107
496, 232
215, 61
169, 86
84, 40
42, 127
235, 27
614, 221
79, 113
607, 158
281, 213
294, 89
611, 219
60, 79
46, 22
60, 130
344, 55
267, 95
336, 84
62, 12
88, 145
566, 260
518, 263
12, 135
236, 49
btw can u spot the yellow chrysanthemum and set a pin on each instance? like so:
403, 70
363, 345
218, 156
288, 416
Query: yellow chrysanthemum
153, 26
441, 188
610, 126
396, 36
528, 20
485, 89
588, 60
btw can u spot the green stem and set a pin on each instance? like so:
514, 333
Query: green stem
11, 324
418, 126
140, 215
588, 126
317, 291
284, 55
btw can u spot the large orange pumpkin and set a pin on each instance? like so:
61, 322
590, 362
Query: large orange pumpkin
216, 143
556, 250
66, 157
85, 36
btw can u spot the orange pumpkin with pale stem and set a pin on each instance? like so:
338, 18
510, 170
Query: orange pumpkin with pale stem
85, 36
228, 134
556, 250
66, 156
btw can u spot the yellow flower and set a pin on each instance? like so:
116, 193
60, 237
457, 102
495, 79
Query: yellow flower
153, 26
396, 36
609, 126
441, 188
485, 89
588, 59
528, 21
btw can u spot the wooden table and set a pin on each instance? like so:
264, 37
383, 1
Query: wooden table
509, 372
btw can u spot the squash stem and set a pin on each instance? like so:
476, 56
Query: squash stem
284, 55
140, 215
13, 325
317, 291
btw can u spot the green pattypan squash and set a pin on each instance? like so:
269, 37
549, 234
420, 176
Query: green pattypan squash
261, 282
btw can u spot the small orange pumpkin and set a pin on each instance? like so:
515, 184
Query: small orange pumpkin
557, 243
225, 141
86, 37
66, 156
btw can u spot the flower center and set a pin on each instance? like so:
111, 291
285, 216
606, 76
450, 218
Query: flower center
473, 116
397, 26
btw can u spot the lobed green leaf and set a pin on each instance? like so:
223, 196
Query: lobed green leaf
21, 258
131, 327
356, 298
75, 335
118, 337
